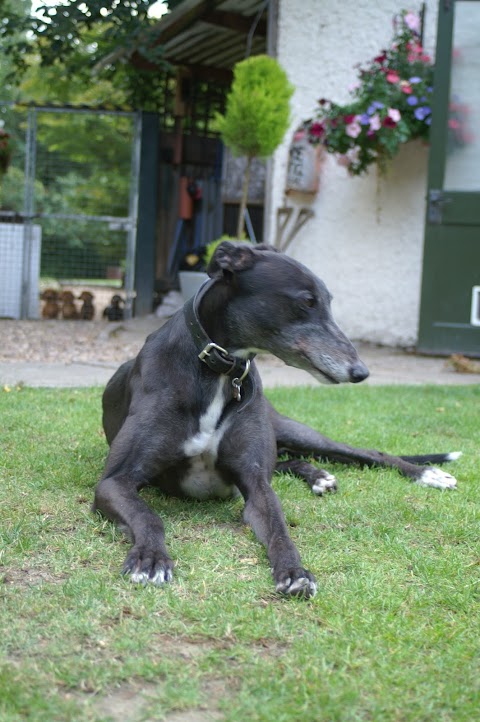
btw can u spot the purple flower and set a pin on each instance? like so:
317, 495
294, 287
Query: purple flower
429, 89
428, 120
412, 100
376, 105
415, 80
422, 112
364, 119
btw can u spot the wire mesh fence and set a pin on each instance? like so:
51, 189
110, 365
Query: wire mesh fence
68, 212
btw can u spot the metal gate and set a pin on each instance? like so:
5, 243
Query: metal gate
68, 209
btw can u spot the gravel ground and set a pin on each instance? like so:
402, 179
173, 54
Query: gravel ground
73, 341
66, 353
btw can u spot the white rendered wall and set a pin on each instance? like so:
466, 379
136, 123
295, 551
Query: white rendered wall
366, 238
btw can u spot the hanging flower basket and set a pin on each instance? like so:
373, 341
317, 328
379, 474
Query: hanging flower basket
389, 105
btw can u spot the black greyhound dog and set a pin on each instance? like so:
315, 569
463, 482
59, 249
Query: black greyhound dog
188, 415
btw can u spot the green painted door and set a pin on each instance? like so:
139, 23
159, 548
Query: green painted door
450, 302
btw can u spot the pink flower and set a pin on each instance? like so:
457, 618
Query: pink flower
412, 21
375, 122
394, 114
405, 87
392, 76
353, 130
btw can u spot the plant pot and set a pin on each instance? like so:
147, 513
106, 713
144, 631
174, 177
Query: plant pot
190, 282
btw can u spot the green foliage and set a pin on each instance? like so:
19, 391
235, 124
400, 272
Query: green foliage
258, 111
88, 39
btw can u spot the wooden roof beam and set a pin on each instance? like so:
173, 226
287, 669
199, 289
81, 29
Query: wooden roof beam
234, 21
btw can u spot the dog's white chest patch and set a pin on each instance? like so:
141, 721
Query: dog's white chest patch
209, 432
202, 480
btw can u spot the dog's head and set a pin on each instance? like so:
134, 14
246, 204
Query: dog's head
276, 304
49, 294
67, 297
86, 297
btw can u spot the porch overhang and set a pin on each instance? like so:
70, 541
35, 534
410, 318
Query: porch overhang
208, 37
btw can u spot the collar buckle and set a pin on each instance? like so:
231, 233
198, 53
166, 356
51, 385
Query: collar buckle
206, 351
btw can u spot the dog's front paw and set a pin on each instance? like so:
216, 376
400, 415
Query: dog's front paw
437, 478
323, 483
296, 582
148, 566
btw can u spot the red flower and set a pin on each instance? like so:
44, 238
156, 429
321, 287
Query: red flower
348, 119
317, 130
388, 122
381, 58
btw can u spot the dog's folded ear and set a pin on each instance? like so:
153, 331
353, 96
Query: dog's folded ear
232, 257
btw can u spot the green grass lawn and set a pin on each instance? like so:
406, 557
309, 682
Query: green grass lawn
391, 635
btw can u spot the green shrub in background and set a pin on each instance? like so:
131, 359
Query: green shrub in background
257, 114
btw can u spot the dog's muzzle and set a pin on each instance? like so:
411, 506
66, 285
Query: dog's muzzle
358, 372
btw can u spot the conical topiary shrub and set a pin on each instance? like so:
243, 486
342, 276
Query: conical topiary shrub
257, 114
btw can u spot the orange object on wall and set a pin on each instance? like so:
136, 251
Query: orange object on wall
185, 200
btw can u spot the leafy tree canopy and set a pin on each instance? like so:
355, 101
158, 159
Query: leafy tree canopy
87, 40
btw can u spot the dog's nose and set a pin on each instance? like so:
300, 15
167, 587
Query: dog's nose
358, 372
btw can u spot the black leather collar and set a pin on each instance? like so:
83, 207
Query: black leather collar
214, 356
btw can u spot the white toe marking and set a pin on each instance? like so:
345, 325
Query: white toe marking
139, 577
302, 583
454, 455
282, 586
437, 478
158, 578
323, 484
299, 583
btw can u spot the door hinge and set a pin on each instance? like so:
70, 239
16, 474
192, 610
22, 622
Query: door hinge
436, 200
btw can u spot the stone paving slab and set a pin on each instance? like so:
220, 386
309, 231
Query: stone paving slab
387, 366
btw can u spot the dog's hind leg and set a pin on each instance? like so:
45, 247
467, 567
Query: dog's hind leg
300, 440
319, 480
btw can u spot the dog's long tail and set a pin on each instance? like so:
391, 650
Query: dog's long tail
432, 458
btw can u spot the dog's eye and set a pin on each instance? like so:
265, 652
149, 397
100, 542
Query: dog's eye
309, 300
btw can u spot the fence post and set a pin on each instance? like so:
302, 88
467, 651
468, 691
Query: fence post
28, 209
147, 214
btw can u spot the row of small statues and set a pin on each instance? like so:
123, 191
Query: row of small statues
61, 304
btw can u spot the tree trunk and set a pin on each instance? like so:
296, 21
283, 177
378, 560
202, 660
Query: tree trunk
243, 202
